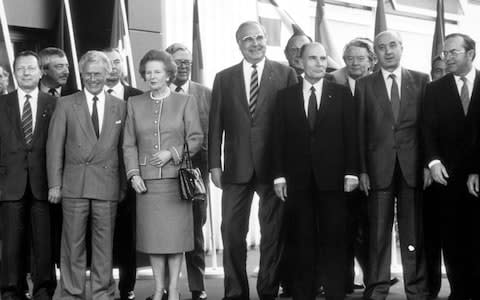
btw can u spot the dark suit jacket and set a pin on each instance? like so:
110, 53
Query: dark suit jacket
247, 148
340, 76
382, 140
17, 159
330, 151
448, 134
82, 165
129, 91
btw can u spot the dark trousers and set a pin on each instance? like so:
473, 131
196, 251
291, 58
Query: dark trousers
17, 218
357, 229
433, 241
317, 230
459, 233
381, 209
236, 204
124, 252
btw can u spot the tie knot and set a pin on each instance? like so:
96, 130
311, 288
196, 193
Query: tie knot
109, 91
95, 98
312, 89
178, 89
464, 79
393, 76
254, 66
27, 96
52, 91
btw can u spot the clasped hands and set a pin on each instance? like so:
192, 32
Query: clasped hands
158, 159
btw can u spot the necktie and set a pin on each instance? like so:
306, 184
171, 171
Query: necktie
394, 97
312, 108
27, 120
464, 95
52, 92
110, 91
253, 91
178, 89
96, 127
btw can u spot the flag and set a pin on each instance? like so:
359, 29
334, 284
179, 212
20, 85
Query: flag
197, 57
380, 19
322, 35
439, 34
6, 48
120, 39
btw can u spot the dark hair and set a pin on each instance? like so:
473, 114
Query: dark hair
361, 43
159, 55
24, 54
305, 46
468, 42
45, 55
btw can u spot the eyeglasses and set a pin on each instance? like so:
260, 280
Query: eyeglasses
184, 62
259, 38
351, 59
454, 53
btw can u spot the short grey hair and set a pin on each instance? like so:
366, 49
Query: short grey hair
396, 34
46, 54
94, 56
175, 47
365, 43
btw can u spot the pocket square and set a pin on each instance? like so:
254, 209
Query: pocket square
118, 122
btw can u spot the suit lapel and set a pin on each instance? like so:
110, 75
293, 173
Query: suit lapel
380, 90
239, 89
84, 118
108, 115
41, 114
14, 116
265, 82
300, 106
476, 89
406, 93
325, 100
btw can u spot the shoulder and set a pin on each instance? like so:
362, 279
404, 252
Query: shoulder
417, 74
131, 91
339, 75
279, 67
195, 86
441, 83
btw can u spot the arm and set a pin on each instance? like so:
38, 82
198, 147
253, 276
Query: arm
351, 141
278, 139
360, 104
215, 133
193, 129
121, 164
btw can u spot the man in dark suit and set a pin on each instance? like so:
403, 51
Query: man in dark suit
85, 169
195, 260
24, 118
389, 103
315, 161
55, 72
450, 126
243, 98
124, 252
292, 51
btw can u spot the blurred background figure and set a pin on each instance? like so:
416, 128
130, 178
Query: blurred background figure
4, 80
439, 68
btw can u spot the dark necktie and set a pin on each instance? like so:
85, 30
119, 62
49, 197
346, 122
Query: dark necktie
27, 120
394, 97
53, 92
96, 127
312, 108
464, 95
110, 91
178, 89
253, 91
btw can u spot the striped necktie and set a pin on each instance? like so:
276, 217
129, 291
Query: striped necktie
253, 91
27, 120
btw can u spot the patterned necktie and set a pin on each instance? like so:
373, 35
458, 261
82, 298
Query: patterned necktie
96, 127
253, 91
464, 95
178, 89
53, 92
394, 97
312, 108
27, 120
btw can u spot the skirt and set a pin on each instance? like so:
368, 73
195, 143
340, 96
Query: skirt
164, 220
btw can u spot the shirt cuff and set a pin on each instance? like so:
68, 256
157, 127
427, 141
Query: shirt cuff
433, 162
279, 180
351, 177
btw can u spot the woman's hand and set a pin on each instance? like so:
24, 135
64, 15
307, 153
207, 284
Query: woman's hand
138, 184
160, 158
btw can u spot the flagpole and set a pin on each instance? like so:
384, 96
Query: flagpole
8, 41
72, 43
128, 45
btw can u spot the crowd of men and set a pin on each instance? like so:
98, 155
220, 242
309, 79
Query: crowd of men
333, 157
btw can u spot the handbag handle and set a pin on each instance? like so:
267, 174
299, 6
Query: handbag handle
186, 153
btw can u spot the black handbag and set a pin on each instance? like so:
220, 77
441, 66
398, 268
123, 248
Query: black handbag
190, 179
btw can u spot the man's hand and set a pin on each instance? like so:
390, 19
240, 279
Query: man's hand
138, 185
216, 174
350, 184
281, 190
55, 195
427, 178
439, 173
160, 158
364, 183
472, 184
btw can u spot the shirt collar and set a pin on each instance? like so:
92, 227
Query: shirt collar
260, 64
22, 93
184, 86
397, 72
100, 96
117, 89
470, 76
307, 86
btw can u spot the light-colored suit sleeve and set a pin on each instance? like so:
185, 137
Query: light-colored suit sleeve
56, 145
130, 150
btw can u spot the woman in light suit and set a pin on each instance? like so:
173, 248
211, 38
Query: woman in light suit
158, 124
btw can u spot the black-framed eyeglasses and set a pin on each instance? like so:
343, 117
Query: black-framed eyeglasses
184, 62
252, 38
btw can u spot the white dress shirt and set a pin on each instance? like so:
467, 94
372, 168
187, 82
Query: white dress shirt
118, 90
184, 87
46, 89
100, 107
351, 84
33, 104
307, 92
388, 81
247, 74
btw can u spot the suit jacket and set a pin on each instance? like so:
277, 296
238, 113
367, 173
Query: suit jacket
340, 76
17, 159
129, 91
449, 135
203, 96
173, 121
82, 165
247, 148
382, 140
330, 150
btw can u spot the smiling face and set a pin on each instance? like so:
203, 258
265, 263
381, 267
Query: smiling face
252, 42
156, 75
94, 75
389, 49
27, 72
